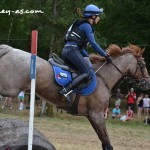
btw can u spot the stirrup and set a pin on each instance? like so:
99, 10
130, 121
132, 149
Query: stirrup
66, 94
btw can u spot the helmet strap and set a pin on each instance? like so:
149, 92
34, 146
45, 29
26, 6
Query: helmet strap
93, 19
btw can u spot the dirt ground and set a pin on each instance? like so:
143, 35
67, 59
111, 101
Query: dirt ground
79, 135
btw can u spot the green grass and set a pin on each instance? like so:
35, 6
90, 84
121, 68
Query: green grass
70, 132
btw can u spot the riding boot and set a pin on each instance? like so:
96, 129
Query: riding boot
66, 91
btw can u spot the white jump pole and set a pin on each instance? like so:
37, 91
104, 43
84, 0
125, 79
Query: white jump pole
33, 82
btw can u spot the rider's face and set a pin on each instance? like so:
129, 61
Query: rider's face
97, 19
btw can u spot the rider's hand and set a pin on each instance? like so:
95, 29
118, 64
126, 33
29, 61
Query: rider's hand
108, 58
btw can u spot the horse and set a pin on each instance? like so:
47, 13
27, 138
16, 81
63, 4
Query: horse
15, 77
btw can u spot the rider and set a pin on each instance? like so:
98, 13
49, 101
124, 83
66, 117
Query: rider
77, 37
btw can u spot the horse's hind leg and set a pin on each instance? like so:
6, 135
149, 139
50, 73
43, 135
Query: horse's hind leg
98, 122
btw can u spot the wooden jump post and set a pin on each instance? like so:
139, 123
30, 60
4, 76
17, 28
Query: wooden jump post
33, 82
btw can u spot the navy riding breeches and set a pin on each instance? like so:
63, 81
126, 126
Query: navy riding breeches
72, 56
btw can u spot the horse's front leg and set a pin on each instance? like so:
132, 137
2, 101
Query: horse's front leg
98, 122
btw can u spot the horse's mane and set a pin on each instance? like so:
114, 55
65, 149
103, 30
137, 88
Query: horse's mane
115, 51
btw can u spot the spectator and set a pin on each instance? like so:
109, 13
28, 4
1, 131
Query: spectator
129, 115
21, 99
131, 97
146, 106
21, 96
116, 113
139, 105
7, 103
118, 96
1, 97
21, 106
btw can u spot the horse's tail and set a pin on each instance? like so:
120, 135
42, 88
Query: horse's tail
4, 49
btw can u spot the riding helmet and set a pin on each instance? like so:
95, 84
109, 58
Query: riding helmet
91, 10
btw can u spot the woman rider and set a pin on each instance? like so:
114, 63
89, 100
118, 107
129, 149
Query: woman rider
79, 34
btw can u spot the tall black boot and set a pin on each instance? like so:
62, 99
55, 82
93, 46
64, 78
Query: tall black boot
74, 84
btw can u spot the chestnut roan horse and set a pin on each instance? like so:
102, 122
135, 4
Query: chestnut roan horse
15, 77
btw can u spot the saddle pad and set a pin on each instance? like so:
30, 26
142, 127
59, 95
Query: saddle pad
63, 78
90, 88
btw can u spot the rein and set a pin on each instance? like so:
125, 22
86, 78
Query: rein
118, 69
100, 76
100, 67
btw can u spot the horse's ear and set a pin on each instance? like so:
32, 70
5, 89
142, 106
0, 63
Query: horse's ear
142, 51
130, 46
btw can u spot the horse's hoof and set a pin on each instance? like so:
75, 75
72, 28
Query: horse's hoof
108, 148
73, 112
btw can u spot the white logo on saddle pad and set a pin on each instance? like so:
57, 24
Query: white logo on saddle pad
63, 75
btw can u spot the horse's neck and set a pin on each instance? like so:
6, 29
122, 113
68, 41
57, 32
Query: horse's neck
125, 63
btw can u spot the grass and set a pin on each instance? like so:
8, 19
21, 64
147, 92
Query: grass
75, 133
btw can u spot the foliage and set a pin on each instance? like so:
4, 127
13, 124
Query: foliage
124, 21
49, 110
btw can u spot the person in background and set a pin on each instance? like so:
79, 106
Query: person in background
140, 105
129, 115
21, 105
1, 97
7, 103
131, 97
146, 106
21, 99
118, 97
21, 96
116, 113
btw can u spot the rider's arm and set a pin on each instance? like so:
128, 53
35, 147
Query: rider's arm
90, 36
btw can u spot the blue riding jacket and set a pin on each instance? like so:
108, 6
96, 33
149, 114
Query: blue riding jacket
88, 30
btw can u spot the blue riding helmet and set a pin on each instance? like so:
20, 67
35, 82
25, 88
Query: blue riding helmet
91, 10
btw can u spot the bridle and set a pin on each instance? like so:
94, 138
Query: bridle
140, 65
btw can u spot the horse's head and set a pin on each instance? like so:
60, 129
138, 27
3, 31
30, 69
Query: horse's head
141, 72
137, 69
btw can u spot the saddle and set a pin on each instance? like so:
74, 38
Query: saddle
55, 60
65, 74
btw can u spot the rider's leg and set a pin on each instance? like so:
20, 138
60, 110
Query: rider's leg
77, 81
73, 56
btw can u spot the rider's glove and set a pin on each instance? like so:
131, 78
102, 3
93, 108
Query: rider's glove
108, 58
